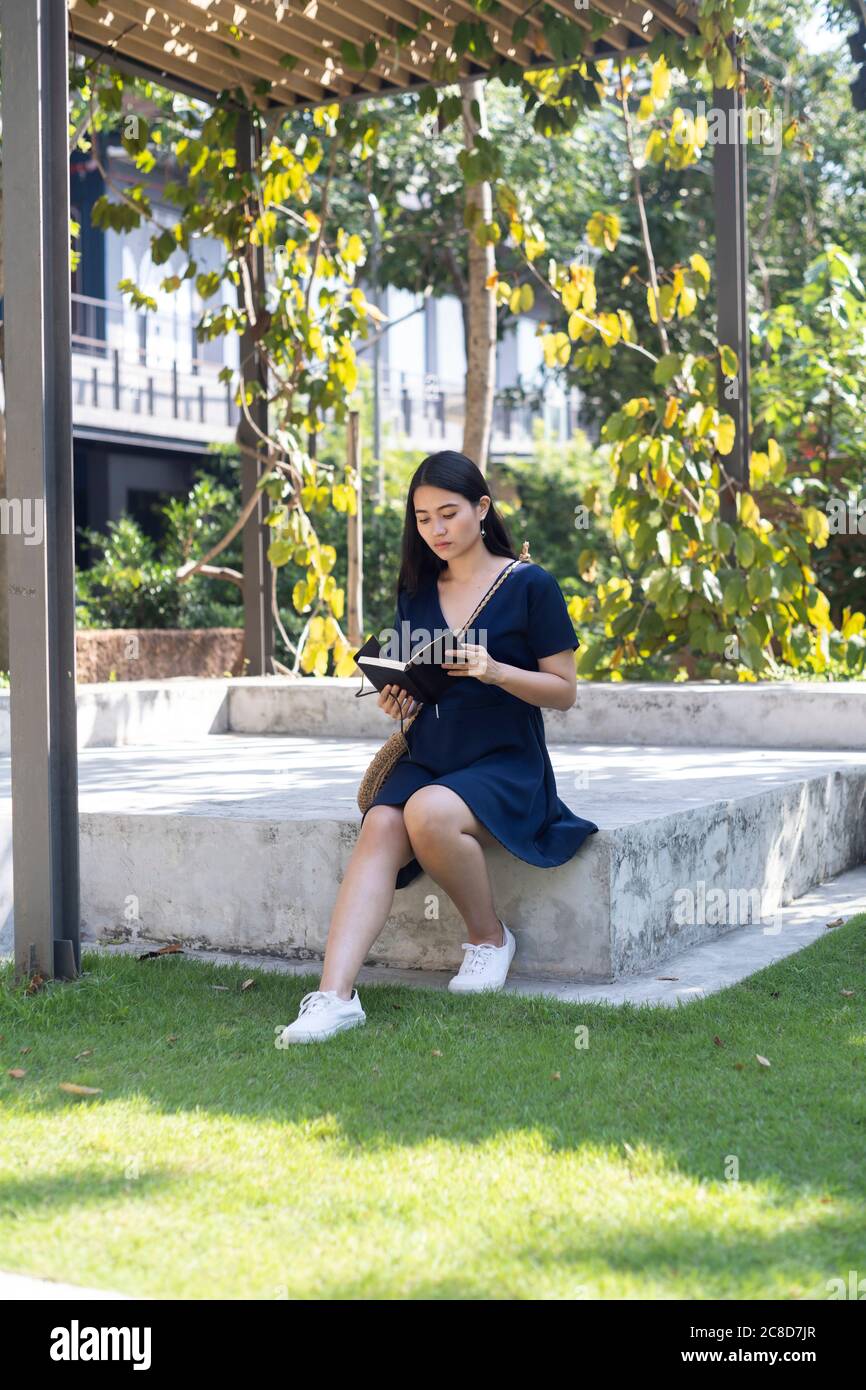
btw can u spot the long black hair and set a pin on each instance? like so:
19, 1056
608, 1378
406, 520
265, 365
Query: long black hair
452, 472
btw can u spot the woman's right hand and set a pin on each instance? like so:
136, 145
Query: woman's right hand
396, 701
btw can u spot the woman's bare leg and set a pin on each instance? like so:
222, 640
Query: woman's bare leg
365, 896
447, 838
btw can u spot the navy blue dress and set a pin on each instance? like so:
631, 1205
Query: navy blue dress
484, 743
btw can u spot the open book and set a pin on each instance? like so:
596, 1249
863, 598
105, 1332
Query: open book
422, 675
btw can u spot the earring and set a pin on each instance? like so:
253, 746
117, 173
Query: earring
482, 528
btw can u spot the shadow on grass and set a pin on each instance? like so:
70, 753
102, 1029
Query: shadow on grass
686, 1083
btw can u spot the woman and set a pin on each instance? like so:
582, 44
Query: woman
478, 772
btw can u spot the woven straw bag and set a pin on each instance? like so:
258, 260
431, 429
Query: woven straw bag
394, 747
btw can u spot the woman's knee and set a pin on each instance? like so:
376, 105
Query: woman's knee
431, 813
438, 814
384, 825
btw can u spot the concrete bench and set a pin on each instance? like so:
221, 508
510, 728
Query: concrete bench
238, 840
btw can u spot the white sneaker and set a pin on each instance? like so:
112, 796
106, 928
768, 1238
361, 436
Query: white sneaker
484, 967
322, 1014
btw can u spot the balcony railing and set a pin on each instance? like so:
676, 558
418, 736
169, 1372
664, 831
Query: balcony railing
149, 369
146, 365
427, 410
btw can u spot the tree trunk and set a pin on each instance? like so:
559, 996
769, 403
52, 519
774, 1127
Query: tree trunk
480, 303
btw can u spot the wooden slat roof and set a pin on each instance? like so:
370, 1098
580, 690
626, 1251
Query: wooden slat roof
206, 46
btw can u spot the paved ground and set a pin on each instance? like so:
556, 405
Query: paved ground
271, 776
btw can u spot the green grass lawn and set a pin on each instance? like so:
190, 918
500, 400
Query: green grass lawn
449, 1148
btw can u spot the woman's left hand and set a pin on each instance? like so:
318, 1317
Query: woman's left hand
475, 661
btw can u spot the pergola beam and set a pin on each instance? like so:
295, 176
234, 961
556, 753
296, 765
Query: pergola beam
134, 67
238, 45
154, 42
41, 590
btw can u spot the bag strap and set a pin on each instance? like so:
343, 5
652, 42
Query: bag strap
500, 579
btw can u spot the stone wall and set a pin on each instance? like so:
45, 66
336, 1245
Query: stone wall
138, 654
798, 714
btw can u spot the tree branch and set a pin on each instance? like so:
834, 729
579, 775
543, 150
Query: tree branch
644, 225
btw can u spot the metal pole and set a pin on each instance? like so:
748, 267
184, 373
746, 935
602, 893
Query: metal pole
732, 278
355, 537
377, 355
258, 618
45, 863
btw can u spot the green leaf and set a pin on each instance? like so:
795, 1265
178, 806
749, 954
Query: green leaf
590, 659
730, 361
667, 368
759, 584
732, 594
280, 552
745, 548
726, 433
350, 55
722, 68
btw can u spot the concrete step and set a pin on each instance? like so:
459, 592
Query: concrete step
699, 714
690, 974
238, 843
